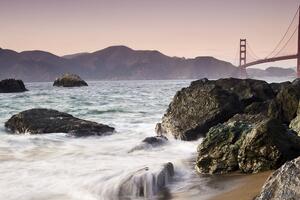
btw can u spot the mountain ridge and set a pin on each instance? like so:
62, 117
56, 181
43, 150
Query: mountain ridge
111, 63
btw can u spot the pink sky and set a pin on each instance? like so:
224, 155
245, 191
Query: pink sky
186, 28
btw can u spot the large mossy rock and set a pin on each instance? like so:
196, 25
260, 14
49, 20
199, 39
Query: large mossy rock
41, 121
12, 86
267, 147
219, 149
283, 184
248, 143
206, 103
69, 80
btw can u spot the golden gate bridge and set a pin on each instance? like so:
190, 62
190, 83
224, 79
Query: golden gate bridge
279, 53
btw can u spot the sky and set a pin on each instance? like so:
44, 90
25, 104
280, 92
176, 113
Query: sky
183, 28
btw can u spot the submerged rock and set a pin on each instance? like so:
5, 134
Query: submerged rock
11, 86
150, 142
40, 121
69, 80
283, 184
146, 183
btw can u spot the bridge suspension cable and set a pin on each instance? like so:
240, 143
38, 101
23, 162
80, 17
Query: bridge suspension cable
283, 37
286, 42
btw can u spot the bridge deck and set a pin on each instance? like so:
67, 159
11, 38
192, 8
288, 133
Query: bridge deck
270, 60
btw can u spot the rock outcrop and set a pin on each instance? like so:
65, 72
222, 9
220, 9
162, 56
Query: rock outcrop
204, 104
11, 86
283, 184
146, 183
247, 146
69, 80
40, 121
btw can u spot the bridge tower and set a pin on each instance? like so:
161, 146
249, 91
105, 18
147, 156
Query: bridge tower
298, 52
243, 58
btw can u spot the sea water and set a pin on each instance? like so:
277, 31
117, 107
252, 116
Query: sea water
58, 167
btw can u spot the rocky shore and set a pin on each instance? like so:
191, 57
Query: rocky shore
248, 126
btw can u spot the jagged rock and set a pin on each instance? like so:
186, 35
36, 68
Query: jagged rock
218, 151
283, 184
276, 87
69, 80
11, 86
258, 108
267, 147
250, 143
197, 108
206, 103
248, 90
40, 121
284, 106
146, 183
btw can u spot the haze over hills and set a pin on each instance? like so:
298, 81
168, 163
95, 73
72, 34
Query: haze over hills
112, 63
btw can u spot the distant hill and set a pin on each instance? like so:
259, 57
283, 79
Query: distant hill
271, 72
112, 63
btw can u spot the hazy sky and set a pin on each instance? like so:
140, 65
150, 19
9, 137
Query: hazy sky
186, 28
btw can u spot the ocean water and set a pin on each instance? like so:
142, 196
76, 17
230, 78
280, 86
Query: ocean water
58, 167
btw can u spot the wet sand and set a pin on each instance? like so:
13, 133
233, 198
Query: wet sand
248, 188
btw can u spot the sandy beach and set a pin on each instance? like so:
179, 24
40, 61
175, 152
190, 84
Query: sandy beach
248, 187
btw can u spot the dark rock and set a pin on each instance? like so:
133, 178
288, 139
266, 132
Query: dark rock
258, 108
250, 143
276, 87
146, 183
284, 106
197, 108
248, 90
283, 184
218, 151
40, 121
206, 103
69, 80
150, 142
156, 140
11, 86
267, 147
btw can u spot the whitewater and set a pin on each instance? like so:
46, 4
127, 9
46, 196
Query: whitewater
59, 167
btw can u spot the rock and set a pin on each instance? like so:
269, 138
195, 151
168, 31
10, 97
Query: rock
146, 183
258, 108
69, 80
284, 106
283, 184
150, 142
156, 140
11, 86
158, 129
276, 87
206, 103
197, 108
267, 147
248, 90
40, 121
249, 143
218, 151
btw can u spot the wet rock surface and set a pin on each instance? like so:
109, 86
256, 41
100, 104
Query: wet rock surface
69, 80
12, 86
41, 121
146, 183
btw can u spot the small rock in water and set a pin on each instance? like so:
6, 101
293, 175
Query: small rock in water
40, 121
146, 183
69, 80
149, 142
11, 86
